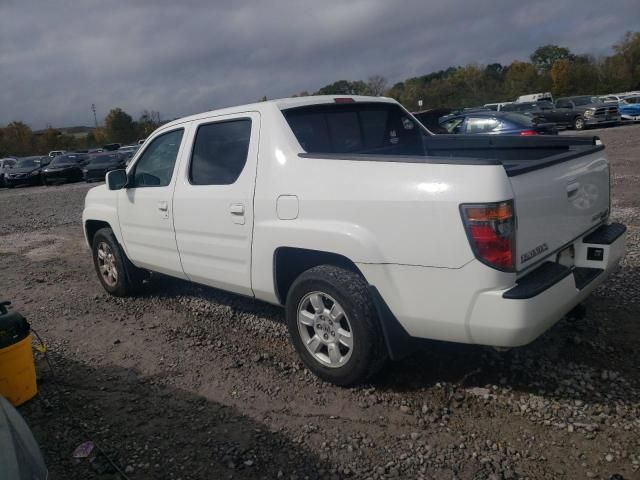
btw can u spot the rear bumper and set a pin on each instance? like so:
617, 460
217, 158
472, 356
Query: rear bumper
518, 315
479, 305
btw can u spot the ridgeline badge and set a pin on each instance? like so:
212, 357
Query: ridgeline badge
525, 257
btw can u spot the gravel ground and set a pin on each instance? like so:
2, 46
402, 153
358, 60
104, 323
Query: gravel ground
189, 382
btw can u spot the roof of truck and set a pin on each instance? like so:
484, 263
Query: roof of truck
280, 103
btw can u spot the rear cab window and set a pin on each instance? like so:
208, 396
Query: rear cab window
356, 128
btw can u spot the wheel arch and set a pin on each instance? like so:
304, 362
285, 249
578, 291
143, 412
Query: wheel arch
290, 262
91, 227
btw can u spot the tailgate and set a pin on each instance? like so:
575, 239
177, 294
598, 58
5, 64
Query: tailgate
557, 204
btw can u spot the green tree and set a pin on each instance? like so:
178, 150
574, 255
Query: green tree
147, 123
119, 126
345, 87
574, 77
544, 57
628, 49
17, 139
521, 78
90, 140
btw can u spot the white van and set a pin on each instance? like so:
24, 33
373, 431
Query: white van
535, 97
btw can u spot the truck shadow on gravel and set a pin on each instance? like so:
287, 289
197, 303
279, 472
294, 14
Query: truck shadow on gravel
589, 360
152, 430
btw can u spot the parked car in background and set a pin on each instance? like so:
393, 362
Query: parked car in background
55, 153
535, 97
96, 150
528, 108
99, 165
111, 147
26, 171
573, 112
80, 158
62, 169
429, 118
630, 108
582, 112
128, 151
5, 165
496, 106
611, 98
495, 123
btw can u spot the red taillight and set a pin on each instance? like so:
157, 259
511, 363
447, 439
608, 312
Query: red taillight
528, 132
491, 231
344, 100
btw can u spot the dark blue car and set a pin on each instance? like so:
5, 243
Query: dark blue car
495, 123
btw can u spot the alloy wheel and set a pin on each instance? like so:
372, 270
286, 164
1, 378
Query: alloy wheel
107, 264
325, 329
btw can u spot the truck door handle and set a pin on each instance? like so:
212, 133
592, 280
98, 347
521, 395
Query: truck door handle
236, 209
572, 189
163, 206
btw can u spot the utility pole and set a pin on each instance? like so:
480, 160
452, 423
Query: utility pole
95, 119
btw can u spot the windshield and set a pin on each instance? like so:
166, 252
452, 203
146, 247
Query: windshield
356, 128
103, 159
27, 162
519, 119
586, 100
63, 161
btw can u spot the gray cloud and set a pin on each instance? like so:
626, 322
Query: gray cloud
58, 57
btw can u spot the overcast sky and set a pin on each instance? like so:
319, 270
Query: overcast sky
57, 57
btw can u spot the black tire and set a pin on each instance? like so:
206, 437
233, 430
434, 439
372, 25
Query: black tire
368, 354
129, 277
578, 123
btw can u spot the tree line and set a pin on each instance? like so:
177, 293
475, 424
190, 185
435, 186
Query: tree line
551, 68
18, 139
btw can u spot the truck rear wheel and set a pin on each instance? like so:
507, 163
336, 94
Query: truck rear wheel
333, 325
116, 273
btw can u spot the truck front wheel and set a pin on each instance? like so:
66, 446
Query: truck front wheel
116, 273
333, 325
578, 123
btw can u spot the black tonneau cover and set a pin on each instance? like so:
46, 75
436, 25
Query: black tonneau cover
518, 154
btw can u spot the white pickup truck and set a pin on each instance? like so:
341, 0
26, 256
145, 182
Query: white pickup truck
370, 231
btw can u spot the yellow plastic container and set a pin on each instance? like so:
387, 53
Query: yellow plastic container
18, 372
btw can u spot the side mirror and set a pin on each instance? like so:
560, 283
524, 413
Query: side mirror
117, 179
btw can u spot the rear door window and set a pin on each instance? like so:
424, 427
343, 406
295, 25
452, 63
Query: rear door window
356, 128
220, 152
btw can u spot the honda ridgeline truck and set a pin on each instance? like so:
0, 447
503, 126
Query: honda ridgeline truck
370, 231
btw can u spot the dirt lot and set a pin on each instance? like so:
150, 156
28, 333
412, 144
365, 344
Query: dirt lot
188, 382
